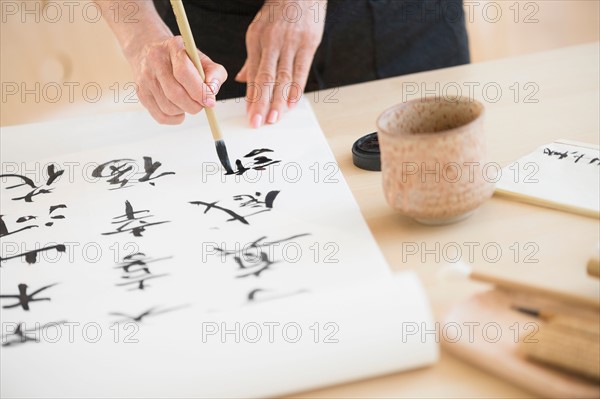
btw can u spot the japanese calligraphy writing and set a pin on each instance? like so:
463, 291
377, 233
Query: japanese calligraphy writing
23, 298
132, 221
123, 173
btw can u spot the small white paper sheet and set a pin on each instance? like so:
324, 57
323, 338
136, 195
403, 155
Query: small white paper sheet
562, 175
144, 270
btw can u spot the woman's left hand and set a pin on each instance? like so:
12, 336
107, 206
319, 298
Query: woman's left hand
281, 43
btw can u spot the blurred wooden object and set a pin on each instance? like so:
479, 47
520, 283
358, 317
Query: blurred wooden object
593, 266
517, 284
568, 343
499, 349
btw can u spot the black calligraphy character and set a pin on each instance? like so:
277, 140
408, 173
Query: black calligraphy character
139, 281
24, 298
253, 201
241, 169
260, 243
23, 219
53, 174
253, 296
137, 318
55, 217
255, 264
577, 158
31, 256
211, 205
244, 201
117, 170
576, 155
4, 230
134, 263
260, 162
259, 151
25, 182
130, 217
138, 261
151, 167
148, 313
22, 335
561, 155
254, 258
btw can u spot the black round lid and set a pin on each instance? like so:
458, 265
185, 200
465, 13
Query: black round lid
365, 152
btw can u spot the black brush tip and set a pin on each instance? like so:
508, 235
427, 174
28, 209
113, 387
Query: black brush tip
223, 157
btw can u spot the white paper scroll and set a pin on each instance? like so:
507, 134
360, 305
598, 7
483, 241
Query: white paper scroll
284, 346
128, 257
561, 175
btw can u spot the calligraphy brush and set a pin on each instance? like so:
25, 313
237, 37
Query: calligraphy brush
190, 49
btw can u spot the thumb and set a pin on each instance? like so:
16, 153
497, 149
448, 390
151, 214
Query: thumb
215, 74
241, 76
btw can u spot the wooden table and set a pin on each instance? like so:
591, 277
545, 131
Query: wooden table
563, 102
565, 84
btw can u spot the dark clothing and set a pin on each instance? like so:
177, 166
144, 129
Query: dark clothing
363, 39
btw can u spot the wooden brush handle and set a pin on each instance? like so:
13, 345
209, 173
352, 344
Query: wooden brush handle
513, 285
192, 52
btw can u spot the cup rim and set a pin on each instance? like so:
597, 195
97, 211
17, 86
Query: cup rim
405, 104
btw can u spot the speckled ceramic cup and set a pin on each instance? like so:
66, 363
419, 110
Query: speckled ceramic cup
433, 157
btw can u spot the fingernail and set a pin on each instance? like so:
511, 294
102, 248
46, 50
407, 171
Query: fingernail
214, 85
272, 117
293, 104
256, 121
210, 102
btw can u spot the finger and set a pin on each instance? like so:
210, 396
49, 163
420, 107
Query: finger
294, 94
149, 88
253, 92
265, 83
215, 74
302, 64
176, 91
283, 82
187, 76
161, 99
242, 74
148, 101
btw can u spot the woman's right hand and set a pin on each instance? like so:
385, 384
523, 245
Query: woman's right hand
168, 83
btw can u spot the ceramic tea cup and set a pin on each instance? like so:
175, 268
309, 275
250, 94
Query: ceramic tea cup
433, 159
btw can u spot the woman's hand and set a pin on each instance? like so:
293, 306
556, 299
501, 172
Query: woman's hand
168, 83
281, 43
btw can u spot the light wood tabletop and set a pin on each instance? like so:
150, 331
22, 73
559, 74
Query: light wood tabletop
530, 101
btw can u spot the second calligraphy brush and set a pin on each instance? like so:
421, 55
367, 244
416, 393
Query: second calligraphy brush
190, 49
